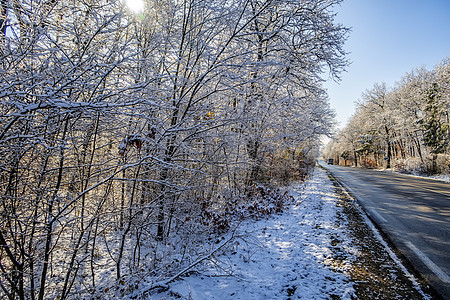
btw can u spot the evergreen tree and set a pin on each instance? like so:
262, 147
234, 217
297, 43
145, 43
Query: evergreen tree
436, 129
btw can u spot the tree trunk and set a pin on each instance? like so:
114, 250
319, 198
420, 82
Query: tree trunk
356, 158
389, 155
50, 218
434, 164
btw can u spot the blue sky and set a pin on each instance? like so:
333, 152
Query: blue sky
389, 38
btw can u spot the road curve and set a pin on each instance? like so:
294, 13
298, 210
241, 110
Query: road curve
413, 212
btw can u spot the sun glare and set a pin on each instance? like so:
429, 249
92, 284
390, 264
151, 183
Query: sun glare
136, 6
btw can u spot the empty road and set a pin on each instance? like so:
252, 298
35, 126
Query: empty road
413, 212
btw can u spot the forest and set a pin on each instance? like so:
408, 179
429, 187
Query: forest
405, 128
130, 142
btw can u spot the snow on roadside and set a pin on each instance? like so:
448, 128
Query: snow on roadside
438, 177
287, 255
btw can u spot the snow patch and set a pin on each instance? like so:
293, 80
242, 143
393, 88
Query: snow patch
286, 255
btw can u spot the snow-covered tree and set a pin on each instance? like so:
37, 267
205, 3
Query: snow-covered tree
119, 130
407, 124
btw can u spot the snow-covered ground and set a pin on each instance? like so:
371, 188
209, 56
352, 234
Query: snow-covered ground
440, 177
310, 251
286, 255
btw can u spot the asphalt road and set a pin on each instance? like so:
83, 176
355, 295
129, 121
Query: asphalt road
413, 212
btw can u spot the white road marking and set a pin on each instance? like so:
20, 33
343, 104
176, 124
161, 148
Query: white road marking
433, 267
378, 216
392, 254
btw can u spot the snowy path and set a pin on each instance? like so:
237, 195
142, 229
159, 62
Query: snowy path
292, 255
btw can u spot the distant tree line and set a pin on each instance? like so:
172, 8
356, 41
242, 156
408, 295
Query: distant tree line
120, 131
406, 128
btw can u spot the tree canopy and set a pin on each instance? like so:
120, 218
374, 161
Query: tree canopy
118, 130
407, 125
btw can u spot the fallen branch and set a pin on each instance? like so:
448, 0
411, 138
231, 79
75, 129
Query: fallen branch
164, 284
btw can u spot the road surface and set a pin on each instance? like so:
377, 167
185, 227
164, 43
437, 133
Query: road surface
414, 212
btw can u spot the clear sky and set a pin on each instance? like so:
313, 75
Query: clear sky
389, 38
